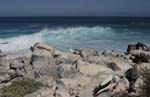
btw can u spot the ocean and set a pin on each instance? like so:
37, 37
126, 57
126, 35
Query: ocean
18, 34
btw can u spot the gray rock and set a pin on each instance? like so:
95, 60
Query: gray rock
138, 46
5, 64
105, 94
67, 71
4, 76
88, 53
110, 53
41, 61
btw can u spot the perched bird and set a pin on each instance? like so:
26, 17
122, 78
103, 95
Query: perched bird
70, 49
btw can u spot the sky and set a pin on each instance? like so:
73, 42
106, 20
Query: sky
75, 8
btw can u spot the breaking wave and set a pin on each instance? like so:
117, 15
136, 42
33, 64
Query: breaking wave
98, 37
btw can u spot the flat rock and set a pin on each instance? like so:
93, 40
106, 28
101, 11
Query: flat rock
117, 64
89, 53
93, 69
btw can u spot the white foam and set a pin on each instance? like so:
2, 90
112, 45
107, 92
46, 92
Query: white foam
20, 43
61, 38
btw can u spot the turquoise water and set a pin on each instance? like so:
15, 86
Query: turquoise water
19, 37
97, 37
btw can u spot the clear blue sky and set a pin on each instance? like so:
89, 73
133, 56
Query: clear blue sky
74, 7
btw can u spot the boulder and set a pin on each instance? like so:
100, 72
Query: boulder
141, 67
43, 46
4, 76
105, 94
42, 55
122, 86
48, 71
84, 81
88, 53
138, 46
137, 87
105, 85
15, 64
39, 62
110, 53
117, 64
93, 69
5, 64
132, 74
59, 54
73, 57
67, 71
43, 92
140, 56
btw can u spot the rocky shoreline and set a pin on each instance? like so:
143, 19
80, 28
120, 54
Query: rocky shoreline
78, 73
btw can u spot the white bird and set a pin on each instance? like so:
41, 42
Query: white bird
70, 49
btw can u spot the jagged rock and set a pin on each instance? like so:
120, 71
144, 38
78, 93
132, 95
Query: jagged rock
132, 74
138, 46
140, 56
88, 53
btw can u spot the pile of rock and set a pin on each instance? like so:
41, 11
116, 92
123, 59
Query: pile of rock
79, 73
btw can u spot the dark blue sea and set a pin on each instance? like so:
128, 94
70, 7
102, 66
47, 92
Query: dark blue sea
18, 34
